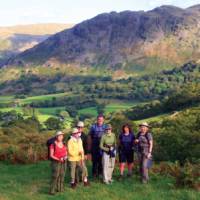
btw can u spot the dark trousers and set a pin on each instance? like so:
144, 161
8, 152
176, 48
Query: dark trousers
97, 168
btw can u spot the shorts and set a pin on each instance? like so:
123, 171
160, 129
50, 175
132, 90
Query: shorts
126, 157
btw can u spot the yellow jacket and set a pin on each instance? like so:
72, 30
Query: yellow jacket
75, 149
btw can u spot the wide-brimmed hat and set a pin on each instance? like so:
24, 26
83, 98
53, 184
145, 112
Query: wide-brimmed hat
80, 124
59, 133
75, 130
108, 127
144, 124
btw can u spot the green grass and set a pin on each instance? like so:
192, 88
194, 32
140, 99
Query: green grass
42, 97
89, 110
18, 109
155, 118
50, 111
112, 107
31, 182
6, 99
43, 113
118, 106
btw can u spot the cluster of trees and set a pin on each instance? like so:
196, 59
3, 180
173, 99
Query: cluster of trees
178, 138
134, 88
187, 97
8, 118
148, 87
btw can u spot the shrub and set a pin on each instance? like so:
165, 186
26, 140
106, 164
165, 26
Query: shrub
187, 175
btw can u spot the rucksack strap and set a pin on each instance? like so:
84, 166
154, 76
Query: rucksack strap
146, 136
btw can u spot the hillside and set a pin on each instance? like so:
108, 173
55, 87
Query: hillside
131, 42
31, 182
15, 39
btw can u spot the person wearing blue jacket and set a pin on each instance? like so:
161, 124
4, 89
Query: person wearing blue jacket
97, 130
126, 152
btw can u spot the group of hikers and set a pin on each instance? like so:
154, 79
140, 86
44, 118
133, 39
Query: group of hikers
102, 146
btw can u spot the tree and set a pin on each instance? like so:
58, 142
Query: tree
53, 123
101, 108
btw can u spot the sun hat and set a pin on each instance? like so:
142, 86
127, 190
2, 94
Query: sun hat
80, 124
108, 127
75, 130
144, 124
59, 133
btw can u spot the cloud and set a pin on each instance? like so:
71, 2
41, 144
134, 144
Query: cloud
67, 11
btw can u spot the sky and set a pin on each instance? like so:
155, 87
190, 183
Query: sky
16, 12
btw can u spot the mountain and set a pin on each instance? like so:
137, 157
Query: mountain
16, 39
134, 42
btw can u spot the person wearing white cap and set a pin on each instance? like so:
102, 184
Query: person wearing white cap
58, 155
145, 146
83, 136
76, 157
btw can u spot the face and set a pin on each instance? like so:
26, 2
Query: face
100, 120
60, 138
80, 129
108, 131
126, 129
143, 129
76, 135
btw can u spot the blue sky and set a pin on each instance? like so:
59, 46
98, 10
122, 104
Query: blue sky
14, 12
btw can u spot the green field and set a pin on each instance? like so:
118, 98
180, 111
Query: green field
155, 118
31, 182
44, 113
42, 97
112, 107
7, 99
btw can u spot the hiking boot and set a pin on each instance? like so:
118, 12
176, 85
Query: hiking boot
73, 185
144, 181
52, 193
121, 177
111, 181
86, 183
95, 177
107, 182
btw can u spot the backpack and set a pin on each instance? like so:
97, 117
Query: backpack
49, 143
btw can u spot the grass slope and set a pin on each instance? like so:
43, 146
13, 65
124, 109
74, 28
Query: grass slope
31, 182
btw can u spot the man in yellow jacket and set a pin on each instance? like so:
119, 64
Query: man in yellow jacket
76, 158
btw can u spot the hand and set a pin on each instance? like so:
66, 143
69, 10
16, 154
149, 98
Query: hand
89, 157
136, 141
61, 159
149, 155
111, 148
86, 157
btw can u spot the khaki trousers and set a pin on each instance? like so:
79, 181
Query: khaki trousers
75, 167
108, 167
